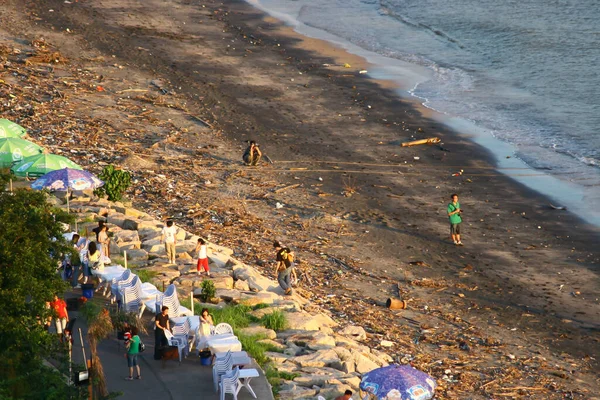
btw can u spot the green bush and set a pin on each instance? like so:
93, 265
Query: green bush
208, 290
116, 182
276, 321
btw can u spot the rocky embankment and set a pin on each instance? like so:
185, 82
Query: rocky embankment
323, 356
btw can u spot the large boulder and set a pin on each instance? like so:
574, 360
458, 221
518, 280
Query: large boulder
252, 299
307, 322
228, 295
256, 281
130, 224
116, 218
241, 285
364, 364
132, 212
137, 255
320, 358
150, 232
126, 236
163, 273
355, 332
297, 393
154, 246
259, 330
314, 340
181, 235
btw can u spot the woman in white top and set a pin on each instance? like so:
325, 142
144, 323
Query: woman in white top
202, 257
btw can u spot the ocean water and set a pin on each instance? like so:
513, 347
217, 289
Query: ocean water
525, 73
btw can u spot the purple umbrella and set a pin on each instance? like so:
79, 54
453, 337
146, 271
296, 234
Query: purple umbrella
397, 382
67, 179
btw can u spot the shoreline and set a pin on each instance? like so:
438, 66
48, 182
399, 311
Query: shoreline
251, 77
404, 77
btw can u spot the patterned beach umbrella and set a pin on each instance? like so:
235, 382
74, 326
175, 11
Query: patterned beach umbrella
41, 164
13, 150
397, 382
66, 179
10, 129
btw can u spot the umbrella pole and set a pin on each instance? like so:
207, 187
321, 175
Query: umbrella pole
11, 185
125, 257
68, 208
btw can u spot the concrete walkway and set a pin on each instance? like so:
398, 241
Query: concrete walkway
172, 381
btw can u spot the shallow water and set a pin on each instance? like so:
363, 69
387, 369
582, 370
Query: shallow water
525, 73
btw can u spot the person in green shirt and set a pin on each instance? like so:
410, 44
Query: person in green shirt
455, 219
133, 349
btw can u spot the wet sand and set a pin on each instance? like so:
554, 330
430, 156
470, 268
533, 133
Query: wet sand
526, 282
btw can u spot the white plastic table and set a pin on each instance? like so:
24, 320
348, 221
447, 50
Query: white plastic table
246, 376
224, 344
107, 274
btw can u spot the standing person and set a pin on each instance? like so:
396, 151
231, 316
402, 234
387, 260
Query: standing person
162, 324
202, 257
169, 238
61, 316
133, 349
104, 241
284, 266
252, 154
454, 212
98, 229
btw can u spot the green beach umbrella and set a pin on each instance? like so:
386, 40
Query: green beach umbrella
40, 164
10, 129
13, 150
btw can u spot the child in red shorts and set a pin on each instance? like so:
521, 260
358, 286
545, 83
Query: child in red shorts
202, 257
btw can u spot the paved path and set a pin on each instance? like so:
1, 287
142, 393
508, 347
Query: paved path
172, 381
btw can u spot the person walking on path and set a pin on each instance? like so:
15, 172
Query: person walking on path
252, 154
133, 349
284, 266
202, 257
61, 316
454, 212
169, 238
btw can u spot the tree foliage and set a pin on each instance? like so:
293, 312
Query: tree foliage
116, 182
31, 245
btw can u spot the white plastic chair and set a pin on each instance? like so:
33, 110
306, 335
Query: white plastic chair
171, 300
151, 297
230, 383
132, 297
184, 332
220, 368
118, 283
180, 342
237, 357
222, 328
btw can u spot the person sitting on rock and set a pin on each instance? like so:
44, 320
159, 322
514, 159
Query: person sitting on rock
252, 154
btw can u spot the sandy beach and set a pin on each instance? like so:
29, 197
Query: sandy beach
172, 89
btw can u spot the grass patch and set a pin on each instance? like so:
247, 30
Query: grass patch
276, 321
237, 316
254, 348
260, 306
118, 260
145, 275
276, 377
